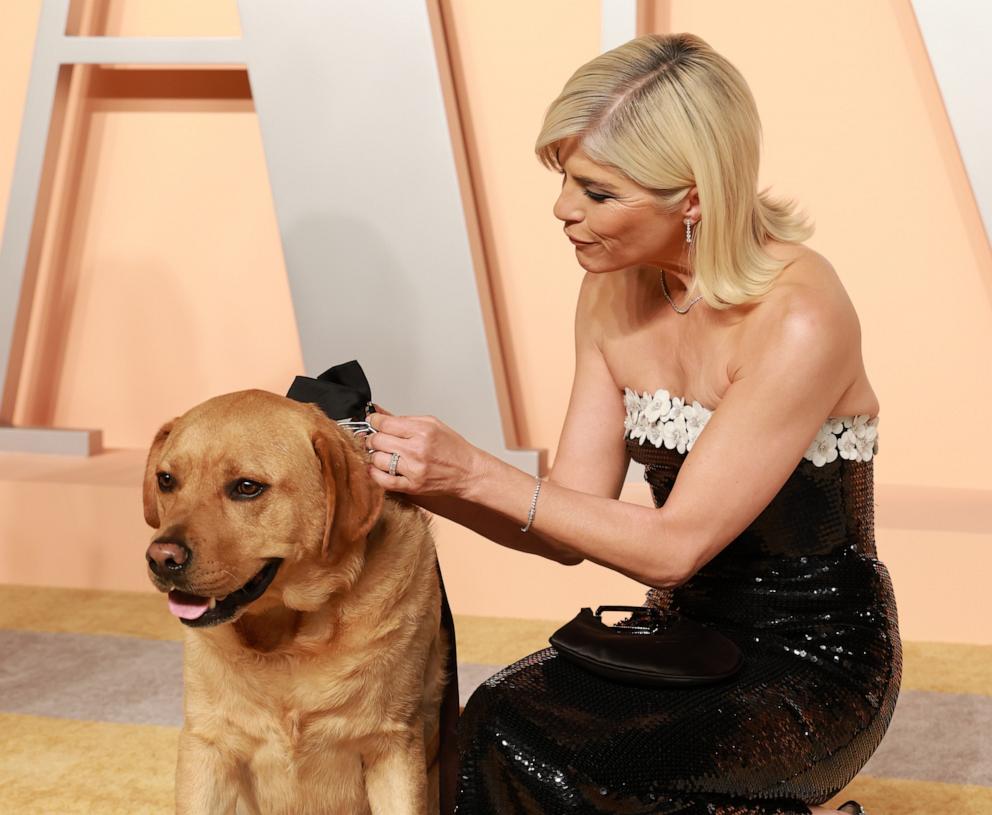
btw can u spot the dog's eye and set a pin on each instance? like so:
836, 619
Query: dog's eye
165, 481
247, 489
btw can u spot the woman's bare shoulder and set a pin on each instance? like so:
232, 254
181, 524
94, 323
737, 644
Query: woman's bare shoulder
808, 291
807, 282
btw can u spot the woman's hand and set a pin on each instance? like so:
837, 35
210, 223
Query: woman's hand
433, 458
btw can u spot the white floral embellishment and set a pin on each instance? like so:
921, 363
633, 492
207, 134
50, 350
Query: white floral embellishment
630, 400
663, 419
658, 406
859, 441
696, 417
852, 437
823, 450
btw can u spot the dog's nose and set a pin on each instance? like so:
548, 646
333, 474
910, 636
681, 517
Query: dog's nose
167, 557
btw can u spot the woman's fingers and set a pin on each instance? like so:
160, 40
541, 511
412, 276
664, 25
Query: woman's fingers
401, 427
387, 442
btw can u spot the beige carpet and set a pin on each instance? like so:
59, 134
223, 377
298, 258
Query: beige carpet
90, 705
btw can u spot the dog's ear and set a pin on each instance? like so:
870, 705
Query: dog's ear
149, 490
353, 499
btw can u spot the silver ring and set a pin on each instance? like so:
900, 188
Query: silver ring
392, 463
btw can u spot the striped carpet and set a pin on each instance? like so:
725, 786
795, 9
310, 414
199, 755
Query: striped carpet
91, 702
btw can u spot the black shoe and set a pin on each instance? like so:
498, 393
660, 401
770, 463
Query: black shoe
852, 807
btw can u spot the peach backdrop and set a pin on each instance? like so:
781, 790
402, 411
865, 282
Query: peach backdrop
162, 281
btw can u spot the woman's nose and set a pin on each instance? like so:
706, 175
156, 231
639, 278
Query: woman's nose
566, 209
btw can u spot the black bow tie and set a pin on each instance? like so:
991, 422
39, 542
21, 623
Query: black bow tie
342, 392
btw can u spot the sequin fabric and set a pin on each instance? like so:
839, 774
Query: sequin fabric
802, 593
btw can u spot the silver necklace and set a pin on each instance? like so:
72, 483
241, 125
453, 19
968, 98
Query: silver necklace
668, 297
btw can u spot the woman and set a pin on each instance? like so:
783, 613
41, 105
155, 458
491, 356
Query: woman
700, 308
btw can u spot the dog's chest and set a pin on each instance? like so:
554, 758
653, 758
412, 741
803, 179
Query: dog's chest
301, 708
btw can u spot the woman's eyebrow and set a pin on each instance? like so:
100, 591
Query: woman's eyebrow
592, 182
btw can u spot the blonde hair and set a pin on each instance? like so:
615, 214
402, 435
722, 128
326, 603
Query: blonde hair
670, 113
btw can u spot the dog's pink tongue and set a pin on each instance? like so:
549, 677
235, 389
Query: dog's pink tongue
187, 606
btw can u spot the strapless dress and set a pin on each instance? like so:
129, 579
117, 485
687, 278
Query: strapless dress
802, 593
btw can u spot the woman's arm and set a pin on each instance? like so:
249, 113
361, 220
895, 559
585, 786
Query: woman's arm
569, 526
753, 442
627, 538
492, 525
499, 528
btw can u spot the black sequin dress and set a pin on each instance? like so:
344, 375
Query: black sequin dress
802, 593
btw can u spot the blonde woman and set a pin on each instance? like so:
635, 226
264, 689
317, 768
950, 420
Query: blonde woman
719, 351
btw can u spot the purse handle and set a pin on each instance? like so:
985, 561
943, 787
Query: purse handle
656, 617
601, 609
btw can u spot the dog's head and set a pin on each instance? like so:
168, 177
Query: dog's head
255, 499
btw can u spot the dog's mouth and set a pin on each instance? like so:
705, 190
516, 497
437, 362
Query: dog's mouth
197, 611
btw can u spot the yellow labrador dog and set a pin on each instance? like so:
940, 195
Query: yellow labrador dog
315, 661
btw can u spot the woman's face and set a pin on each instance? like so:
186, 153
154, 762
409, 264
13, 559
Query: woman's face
614, 222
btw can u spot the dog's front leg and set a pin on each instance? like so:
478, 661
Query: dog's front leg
206, 782
396, 774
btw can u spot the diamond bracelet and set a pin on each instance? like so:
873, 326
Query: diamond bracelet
533, 505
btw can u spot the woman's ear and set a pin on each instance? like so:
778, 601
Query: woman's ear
149, 490
695, 208
353, 499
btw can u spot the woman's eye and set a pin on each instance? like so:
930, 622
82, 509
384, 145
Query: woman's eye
248, 489
595, 196
165, 481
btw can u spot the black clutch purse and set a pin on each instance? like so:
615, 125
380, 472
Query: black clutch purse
656, 647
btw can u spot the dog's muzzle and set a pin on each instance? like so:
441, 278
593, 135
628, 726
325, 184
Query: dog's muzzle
198, 611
